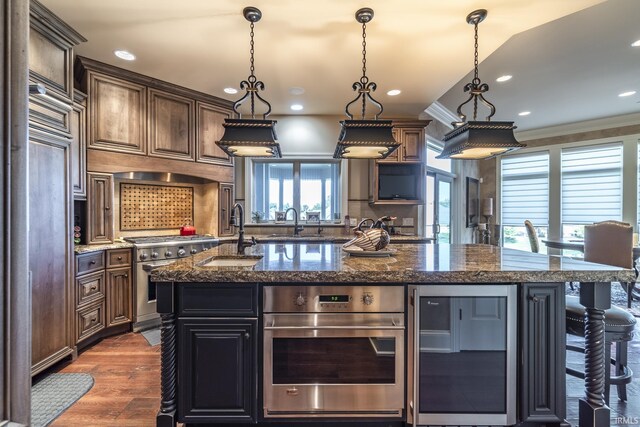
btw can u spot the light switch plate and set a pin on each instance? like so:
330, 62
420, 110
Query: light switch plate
353, 222
407, 222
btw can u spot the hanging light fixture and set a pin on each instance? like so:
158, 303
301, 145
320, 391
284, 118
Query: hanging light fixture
365, 139
250, 137
476, 139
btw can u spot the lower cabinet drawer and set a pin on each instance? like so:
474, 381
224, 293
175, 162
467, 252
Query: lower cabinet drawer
90, 320
89, 288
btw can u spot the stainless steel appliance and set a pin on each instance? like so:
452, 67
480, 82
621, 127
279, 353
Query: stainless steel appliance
462, 355
154, 252
334, 351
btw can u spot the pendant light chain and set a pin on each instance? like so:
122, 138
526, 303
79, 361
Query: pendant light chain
364, 78
252, 68
476, 79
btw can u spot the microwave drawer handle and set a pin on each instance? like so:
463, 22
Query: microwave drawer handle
149, 267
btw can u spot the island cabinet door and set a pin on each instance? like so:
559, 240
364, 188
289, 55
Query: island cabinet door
217, 370
542, 382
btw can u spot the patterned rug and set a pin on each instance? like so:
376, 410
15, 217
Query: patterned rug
51, 396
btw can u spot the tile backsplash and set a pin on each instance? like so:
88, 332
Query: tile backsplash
154, 207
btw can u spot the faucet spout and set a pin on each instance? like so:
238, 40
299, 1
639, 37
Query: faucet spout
239, 222
296, 228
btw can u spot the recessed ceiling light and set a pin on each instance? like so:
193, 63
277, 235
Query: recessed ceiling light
629, 93
123, 54
296, 90
394, 92
230, 90
524, 113
296, 107
636, 43
504, 78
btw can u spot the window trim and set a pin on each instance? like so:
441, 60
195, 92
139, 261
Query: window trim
343, 183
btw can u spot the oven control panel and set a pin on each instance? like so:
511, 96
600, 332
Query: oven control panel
318, 299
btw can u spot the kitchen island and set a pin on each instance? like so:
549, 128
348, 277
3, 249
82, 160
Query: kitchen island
224, 292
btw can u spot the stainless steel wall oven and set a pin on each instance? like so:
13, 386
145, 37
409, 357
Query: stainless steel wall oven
334, 351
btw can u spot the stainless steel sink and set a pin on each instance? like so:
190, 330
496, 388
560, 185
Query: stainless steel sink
228, 261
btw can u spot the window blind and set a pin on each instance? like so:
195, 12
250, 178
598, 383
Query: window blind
591, 184
525, 189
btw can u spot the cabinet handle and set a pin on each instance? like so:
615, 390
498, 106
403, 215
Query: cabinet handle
119, 258
92, 262
534, 298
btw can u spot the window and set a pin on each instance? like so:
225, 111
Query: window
524, 195
591, 187
433, 150
307, 186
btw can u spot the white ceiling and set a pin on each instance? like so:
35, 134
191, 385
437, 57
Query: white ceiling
568, 70
422, 47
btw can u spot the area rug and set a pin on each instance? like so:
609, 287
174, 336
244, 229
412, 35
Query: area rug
152, 336
51, 396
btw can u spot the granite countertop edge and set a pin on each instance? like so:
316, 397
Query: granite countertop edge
83, 249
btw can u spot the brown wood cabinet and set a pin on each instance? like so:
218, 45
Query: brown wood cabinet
50, 188
103, 293
210, 119
412, 138
117, 114
171, 125
225, 203
78, 125
99, 208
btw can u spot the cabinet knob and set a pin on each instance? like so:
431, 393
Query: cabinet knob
534, 298
93, 288
119, 258
247, 335
92, 262
106, 208
126, 275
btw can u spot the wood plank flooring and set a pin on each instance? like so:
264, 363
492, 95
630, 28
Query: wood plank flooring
126, 392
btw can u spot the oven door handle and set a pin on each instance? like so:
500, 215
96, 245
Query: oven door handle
340, 327
149, 267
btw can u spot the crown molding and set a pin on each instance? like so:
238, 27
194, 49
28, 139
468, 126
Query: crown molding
578, 127
442, 114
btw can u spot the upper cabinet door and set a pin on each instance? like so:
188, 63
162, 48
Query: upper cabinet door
78, 126
209, 130
171, 125
50, 60
117, 113
396, 155
413, 144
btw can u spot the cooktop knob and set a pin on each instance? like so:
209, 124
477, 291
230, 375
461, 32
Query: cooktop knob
143, 256
367, 299
182, 252
194, 251
168, 254
300, 300
154, 254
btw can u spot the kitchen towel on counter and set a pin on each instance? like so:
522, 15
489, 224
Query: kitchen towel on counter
54, 394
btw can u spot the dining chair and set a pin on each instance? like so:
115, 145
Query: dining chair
607, 242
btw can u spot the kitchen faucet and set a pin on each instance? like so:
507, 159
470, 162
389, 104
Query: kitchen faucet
296, 228
240, 224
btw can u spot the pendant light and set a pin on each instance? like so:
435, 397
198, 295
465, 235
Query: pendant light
250, 137
365, 139
477, 139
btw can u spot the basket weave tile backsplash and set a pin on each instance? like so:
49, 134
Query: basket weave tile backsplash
154, 207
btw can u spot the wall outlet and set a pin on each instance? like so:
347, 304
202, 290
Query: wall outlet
353, 222
407, 222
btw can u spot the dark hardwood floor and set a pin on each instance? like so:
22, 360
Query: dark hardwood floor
126, 392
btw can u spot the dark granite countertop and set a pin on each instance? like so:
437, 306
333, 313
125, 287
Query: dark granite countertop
412, 263
314, 238
82, 249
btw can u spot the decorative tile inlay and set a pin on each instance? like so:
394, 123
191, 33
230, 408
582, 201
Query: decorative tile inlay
154, 207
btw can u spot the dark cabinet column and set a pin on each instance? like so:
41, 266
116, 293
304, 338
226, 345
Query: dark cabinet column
217, 369
542, 379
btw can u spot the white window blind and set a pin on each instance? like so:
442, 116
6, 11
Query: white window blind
525, 189
591, 184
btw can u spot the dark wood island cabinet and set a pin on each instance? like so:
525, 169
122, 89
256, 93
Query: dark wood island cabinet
214, 336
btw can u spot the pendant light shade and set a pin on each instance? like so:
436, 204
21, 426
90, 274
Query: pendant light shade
476, 139
250, 137
365, 139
